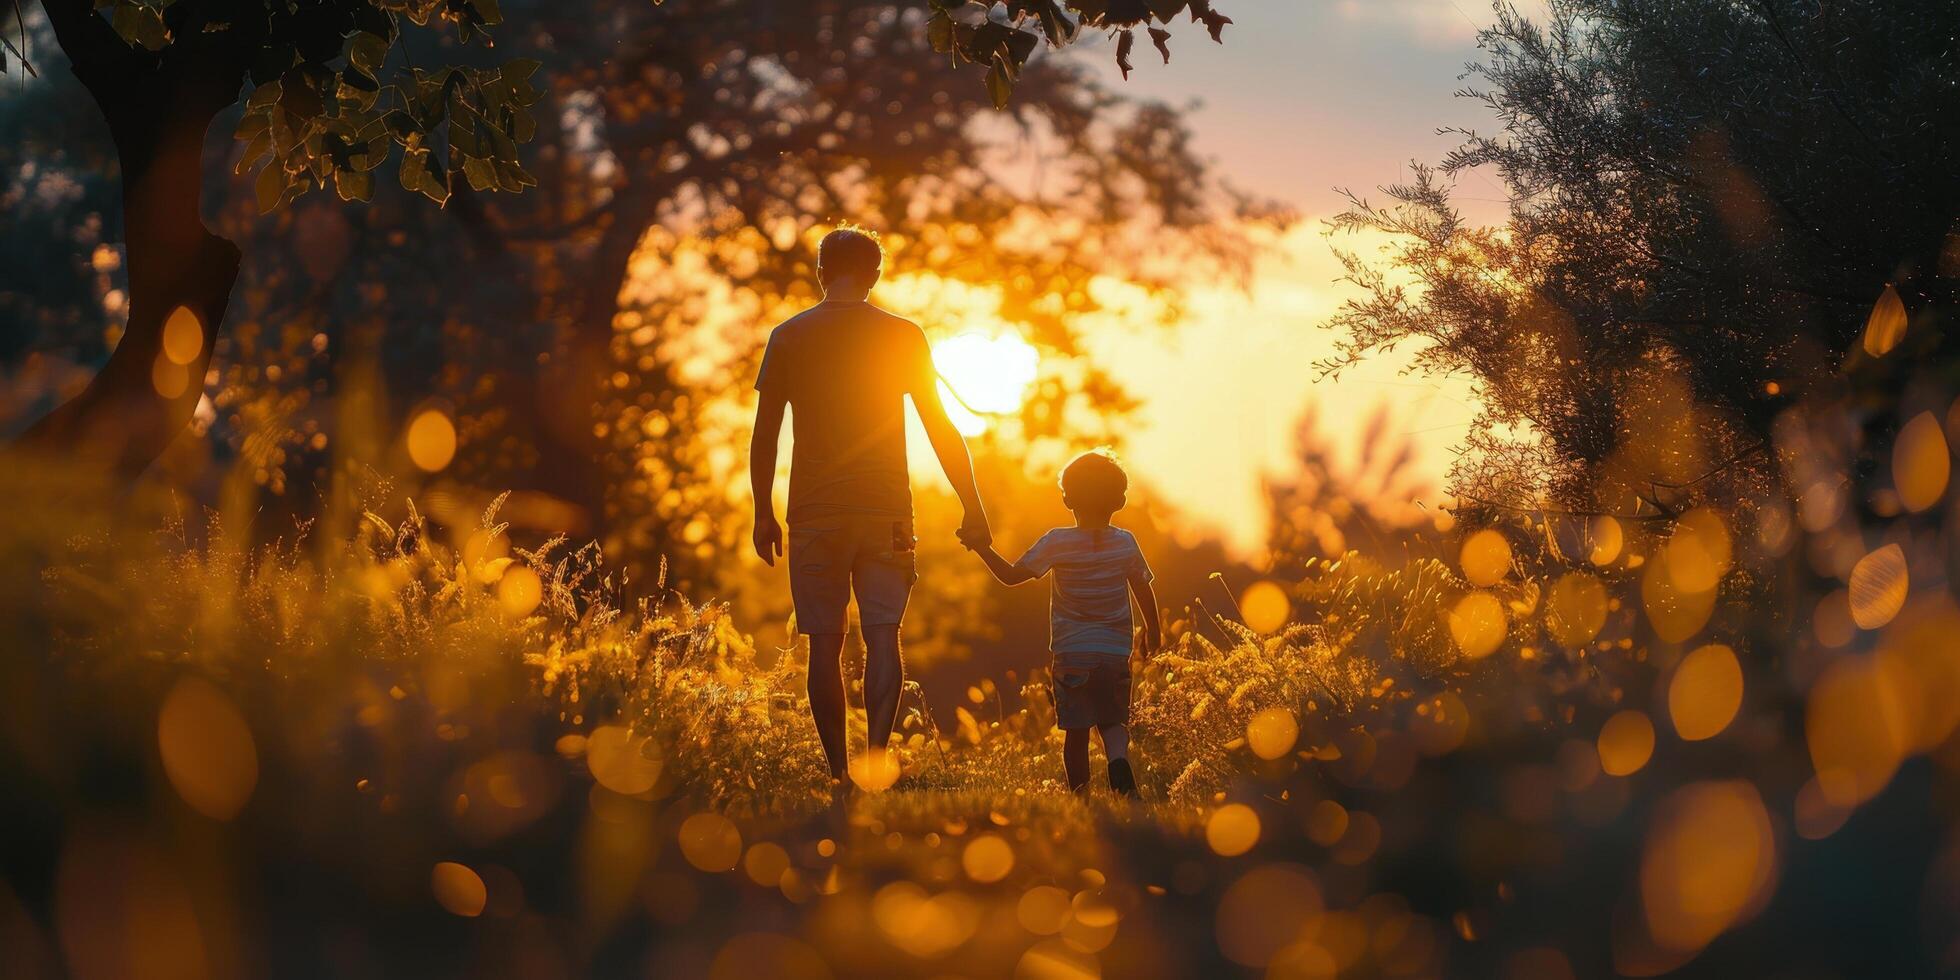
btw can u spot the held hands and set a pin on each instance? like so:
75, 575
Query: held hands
768, 538
974, 532
1146, 642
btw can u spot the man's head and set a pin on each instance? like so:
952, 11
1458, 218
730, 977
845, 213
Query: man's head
849, 260
1094, 485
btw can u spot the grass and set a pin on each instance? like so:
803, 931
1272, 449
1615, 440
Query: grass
460, 755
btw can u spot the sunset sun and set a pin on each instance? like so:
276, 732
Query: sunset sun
983, 375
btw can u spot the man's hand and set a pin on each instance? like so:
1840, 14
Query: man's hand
768, 539
1146, 643
974, 532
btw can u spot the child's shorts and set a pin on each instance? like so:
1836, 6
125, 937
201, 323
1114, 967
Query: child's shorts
1091, 690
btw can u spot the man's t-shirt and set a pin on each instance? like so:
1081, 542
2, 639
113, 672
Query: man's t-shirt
1089, 601
845, 369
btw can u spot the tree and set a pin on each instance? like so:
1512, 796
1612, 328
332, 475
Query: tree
1706, 201
160, 72
326, 108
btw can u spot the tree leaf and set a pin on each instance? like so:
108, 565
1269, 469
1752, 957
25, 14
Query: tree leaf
415, 165
1125, 40
256, 150
1162, 39
270, 187
1166, 9
481, 175
366, 52
939, 31
353, 185
999, 87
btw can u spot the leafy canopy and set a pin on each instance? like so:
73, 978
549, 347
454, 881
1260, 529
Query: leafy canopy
1002, 35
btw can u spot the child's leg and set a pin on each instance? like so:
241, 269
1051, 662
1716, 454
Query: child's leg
1116, 741
1075, 758
1116, 745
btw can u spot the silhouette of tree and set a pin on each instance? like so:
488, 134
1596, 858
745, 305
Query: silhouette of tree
1706, 200
335, 90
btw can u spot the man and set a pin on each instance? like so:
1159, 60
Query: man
845, 366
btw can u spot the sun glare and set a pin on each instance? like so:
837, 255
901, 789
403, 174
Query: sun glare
983, 375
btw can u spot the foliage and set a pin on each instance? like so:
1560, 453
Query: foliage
325, 108
1706, 199
1003, 34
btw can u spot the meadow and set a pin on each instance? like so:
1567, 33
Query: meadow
386, 746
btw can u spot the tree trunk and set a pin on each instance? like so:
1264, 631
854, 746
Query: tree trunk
158, 107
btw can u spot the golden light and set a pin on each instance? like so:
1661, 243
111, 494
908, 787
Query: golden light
1477, 625
1705, 692
431, 440
1440, 725
1055, 960
1817, 817
765, 864
1092, 922
1698, 553
982, 373
1626, 742
874, 771
519, 591
1485, 558
1327, 823
458, 889
1832, 620
1265, 911
1887, 324
1921, 463
1879, 584
1576, 610
1859, 727
207, 749
1043, 910
1710, 860
1675, 613
1608, 540
1265, 606
1271, 733
711, 842
183, 336
987, 858
170, 379
922, 924
1232, 830
619, 761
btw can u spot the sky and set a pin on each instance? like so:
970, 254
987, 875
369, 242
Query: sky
1303, 98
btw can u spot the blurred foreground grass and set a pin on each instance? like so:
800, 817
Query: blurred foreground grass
381, 747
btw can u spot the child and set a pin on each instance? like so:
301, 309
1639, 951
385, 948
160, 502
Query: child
1097, 569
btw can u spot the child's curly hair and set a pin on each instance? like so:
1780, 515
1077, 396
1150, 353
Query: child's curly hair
1095, 481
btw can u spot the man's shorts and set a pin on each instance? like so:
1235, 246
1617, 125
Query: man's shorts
1092, 690
831, 557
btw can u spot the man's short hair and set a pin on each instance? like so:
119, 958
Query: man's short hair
849, 250
1095, 481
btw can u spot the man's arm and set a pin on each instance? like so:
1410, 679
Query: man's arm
950, 447
762, 475
1007, 572
1153, 627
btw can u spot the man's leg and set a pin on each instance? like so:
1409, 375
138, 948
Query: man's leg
884, 678
827, 705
